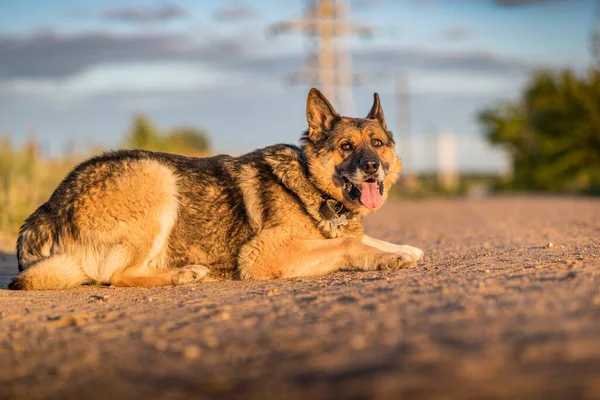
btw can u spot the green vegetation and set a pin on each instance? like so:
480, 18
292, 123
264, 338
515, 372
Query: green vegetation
552, 133
143, 134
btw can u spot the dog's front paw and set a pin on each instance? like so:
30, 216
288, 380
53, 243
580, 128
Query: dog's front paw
189, 274
396, 261
415, 251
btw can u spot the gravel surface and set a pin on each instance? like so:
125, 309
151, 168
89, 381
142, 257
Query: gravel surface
505, 305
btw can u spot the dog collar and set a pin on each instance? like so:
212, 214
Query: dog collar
335, 212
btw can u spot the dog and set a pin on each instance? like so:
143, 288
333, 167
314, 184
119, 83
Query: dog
140, 218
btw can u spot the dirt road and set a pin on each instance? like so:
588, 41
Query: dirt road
491, 313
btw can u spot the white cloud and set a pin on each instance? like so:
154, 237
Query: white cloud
131, 77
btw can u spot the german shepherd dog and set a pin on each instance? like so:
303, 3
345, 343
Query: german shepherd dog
140, 218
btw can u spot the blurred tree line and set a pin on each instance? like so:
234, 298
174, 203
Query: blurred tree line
552, 132
143, 134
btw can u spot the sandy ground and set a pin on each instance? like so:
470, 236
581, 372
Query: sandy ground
491, 313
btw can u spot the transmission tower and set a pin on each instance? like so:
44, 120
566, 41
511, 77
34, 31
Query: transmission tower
596, 36
328, 63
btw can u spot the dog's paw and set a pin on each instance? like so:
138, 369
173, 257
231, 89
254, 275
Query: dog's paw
396, 261
189, 274
415, 251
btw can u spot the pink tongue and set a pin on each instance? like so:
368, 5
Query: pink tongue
369, 194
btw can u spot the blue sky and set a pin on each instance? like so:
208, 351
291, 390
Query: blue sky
77, 71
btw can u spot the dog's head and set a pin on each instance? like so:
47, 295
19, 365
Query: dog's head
353, 160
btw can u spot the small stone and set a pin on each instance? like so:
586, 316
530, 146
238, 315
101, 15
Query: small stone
77, 320
99, 298
160, 345
91, 329
192, 352
571, 275
549, 245
358, 342
211, 341
225, 316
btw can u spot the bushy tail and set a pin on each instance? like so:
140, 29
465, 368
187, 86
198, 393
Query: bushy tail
36, 238
42, 264
55, 272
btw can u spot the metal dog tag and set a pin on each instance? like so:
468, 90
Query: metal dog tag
339, 220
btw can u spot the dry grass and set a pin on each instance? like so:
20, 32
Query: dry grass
26, 182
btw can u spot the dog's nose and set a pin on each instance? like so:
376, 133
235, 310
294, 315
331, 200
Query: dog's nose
369, 165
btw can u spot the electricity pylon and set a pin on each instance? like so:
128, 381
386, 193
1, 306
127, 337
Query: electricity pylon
596, 36
328, 62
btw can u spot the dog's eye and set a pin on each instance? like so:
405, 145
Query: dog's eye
346, 146
376, 143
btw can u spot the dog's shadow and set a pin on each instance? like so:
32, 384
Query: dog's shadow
8, 269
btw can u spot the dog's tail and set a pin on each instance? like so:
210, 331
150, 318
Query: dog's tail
36, 239
42, 264
55, 272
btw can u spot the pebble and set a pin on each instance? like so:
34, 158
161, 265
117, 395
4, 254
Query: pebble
225, 316
358, 342
160, 345
211, 341
549, 245
571, 275
99, 297
192, 352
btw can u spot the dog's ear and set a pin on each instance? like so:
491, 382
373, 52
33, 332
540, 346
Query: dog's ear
320, 115
377, 112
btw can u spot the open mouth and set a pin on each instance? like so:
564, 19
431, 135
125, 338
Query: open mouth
369, 192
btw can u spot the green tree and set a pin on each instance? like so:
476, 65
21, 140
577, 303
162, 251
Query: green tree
143, 134
187, 140
552, 133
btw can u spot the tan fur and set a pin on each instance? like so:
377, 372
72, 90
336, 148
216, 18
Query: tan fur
251, 196
55, 272
134, 212
297, 258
